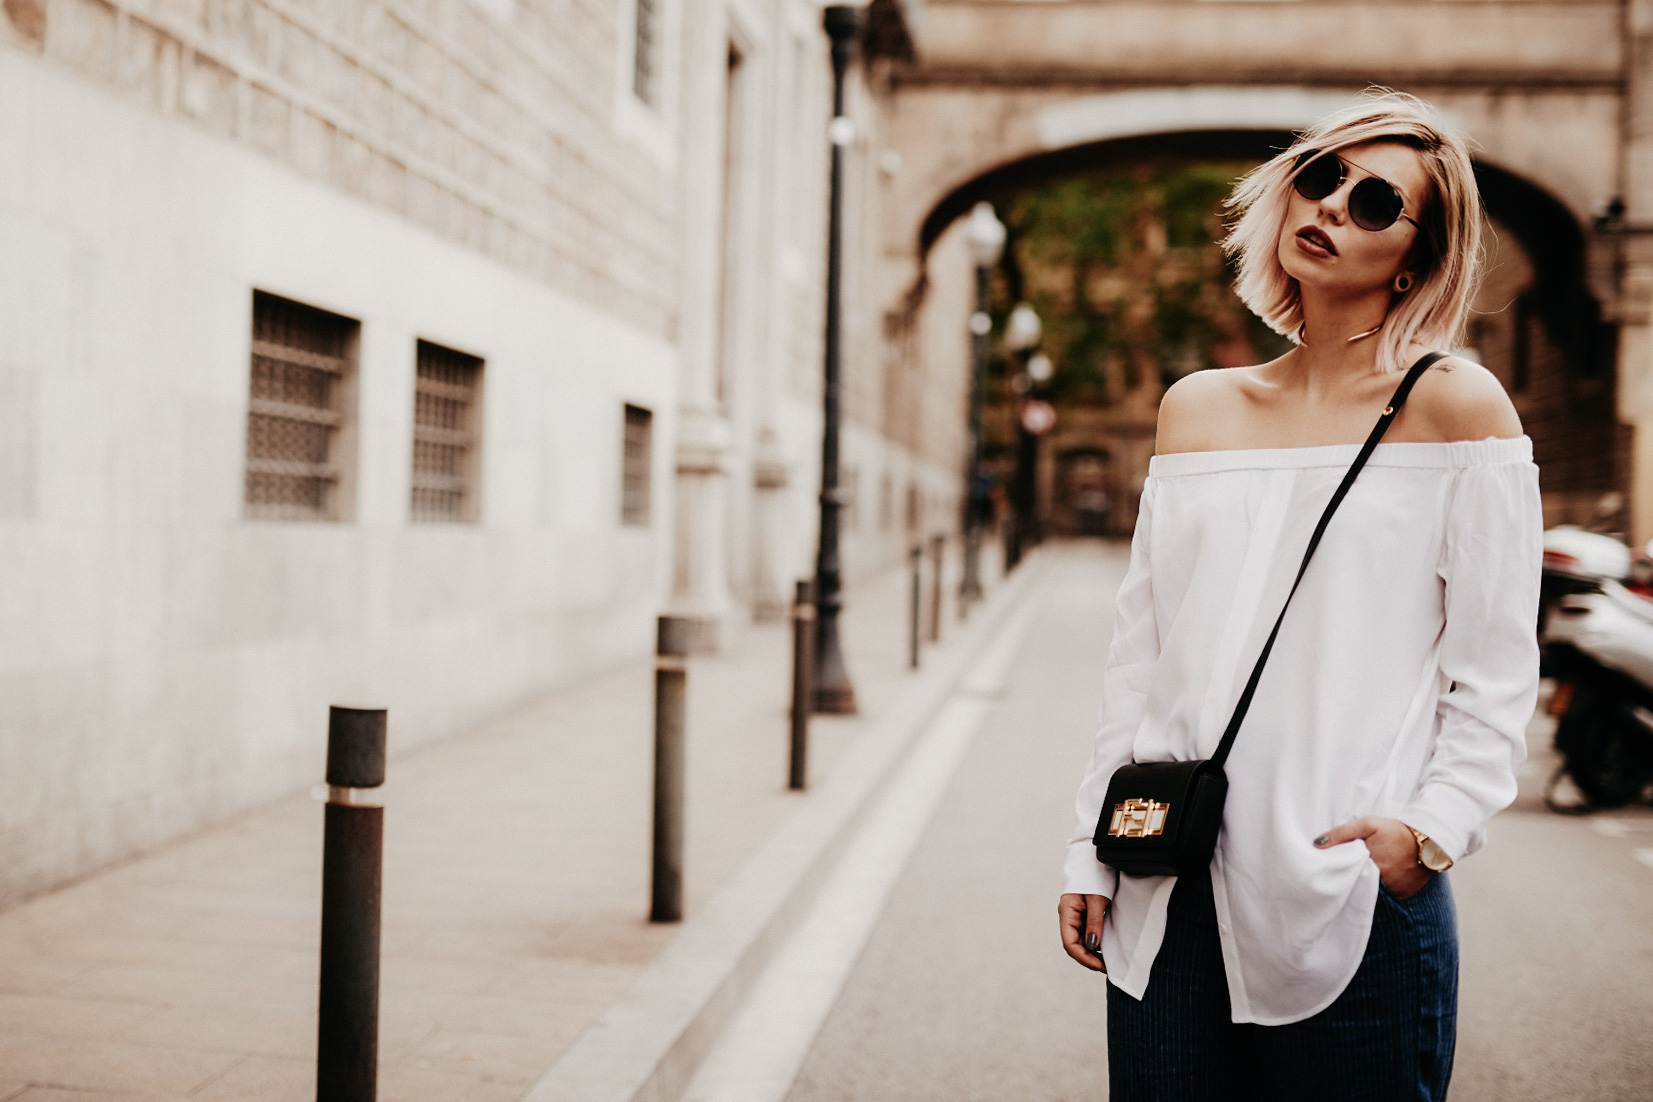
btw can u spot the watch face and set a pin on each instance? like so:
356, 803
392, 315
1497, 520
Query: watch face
1430, 855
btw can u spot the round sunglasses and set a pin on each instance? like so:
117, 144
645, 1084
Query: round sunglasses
1374, 203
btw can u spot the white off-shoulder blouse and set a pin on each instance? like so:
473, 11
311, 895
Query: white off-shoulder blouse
1401, 685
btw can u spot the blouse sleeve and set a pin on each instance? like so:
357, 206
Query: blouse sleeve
1489, 655
1125, 680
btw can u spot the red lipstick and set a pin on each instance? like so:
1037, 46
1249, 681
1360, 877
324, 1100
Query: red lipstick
1314, 241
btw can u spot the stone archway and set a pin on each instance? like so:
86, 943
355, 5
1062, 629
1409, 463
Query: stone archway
1541, 329
957, 144
1539, 324
1554, 94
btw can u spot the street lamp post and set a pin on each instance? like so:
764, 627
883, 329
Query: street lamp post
833, 691
1021, 336
985, 234
1039, 372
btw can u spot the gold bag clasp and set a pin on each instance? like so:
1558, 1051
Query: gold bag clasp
1138, 819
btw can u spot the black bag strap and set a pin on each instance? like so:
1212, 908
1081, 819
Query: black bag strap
1389, 413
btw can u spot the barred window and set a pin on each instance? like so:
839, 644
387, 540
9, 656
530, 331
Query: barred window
303, 364
645, 40
445, 414
634, 476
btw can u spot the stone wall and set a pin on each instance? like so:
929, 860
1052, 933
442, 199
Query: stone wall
496, 133
165, 661
474, 173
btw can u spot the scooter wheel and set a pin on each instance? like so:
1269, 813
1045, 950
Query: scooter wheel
1608, 751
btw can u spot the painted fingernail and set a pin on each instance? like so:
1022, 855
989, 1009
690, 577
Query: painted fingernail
1320, 841
1092, 943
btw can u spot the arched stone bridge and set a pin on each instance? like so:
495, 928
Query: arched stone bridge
1001, 94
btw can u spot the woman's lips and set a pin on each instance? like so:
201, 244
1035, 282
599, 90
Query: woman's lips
1314, 241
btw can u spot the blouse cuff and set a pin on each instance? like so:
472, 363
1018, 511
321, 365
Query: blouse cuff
1433, 814
1083, 874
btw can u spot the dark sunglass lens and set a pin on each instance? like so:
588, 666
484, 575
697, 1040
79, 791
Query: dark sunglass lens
1319, 178
1374, 204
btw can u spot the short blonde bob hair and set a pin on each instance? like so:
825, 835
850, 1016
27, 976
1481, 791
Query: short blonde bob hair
1446, 255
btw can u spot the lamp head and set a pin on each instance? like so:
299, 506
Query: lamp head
1023, 329
842, 22
985, 233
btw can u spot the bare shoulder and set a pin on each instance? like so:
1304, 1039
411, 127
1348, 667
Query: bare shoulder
1458, 399
1193, 404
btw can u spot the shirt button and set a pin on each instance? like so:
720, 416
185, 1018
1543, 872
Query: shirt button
1222, 929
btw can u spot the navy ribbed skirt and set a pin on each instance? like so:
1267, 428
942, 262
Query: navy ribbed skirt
1387, 1038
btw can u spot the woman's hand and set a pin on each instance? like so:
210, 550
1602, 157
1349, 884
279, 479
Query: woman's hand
1394, 850
1081, 917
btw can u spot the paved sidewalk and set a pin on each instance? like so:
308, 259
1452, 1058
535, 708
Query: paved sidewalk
516, 881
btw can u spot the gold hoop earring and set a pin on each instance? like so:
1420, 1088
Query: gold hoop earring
1403, 283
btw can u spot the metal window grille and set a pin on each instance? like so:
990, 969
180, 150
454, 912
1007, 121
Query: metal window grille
444, 435
301, 363
643, 67
634, 478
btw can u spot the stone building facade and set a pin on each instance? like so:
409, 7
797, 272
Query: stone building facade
413, 353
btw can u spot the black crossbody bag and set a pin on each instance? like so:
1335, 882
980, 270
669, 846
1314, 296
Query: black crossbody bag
1162, 818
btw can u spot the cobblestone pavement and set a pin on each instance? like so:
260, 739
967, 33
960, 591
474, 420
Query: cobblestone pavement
516, 881
962, 992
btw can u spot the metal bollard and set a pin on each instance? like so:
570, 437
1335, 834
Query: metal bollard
917, 556
670, 693
803, 669
347, 1050
938, 546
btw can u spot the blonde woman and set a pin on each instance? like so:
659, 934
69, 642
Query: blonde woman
1317, 957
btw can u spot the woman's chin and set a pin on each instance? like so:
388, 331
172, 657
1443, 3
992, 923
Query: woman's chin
1300, 267
1306, 270
1328, 282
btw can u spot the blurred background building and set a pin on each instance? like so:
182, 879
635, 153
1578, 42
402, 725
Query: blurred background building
419, 352
407, 353
1107, 135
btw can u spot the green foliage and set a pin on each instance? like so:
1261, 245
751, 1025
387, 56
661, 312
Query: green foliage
1191, 204
1127, 273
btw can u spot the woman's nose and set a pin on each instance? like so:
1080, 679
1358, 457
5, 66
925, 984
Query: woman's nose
1337, 203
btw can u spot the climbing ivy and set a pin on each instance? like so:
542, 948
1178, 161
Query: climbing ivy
1128, 277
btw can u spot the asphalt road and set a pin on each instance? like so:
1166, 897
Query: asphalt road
962, 991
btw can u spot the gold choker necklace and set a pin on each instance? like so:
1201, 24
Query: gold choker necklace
1303, 333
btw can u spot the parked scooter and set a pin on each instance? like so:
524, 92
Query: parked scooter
1595, 624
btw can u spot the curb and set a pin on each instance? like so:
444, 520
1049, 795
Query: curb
648, 1046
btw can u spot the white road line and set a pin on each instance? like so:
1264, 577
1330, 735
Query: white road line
1645, 856
759, 1056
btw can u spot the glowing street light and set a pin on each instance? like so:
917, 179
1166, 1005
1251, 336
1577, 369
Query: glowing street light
985, 234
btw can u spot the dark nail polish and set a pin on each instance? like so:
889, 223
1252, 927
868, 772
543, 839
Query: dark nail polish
1092, 944
1320, 841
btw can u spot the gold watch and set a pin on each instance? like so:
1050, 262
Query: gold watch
1430, 855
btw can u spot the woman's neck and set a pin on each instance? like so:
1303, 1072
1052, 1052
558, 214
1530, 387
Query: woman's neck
1327, 359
